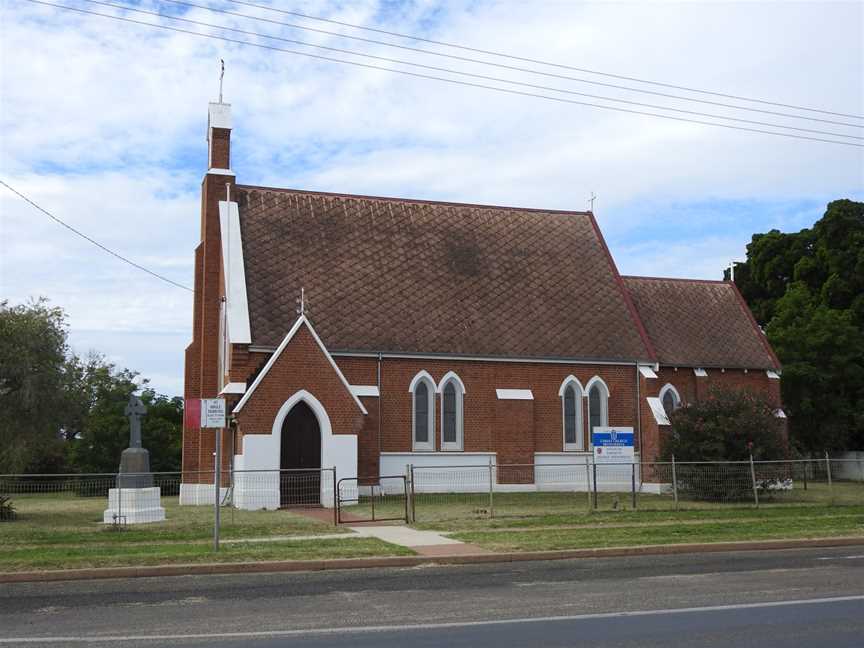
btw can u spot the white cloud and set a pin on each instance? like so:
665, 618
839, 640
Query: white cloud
104, 123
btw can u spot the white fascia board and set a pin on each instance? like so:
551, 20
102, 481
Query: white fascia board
514, 394
234, 268
365, 390
700, 372
300, 321
218, 116
647, 372
233, 388
774, 375
225, 172
657, 410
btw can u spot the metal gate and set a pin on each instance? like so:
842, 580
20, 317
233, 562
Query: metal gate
372, 499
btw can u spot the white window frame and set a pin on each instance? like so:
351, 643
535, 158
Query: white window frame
579, 446
669, 387
459, 444
605, 394
424, 378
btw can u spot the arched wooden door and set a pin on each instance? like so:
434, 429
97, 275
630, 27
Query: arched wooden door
300, 481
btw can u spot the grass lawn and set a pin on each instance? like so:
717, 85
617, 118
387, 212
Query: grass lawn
58, 519
789, 524
59, 531
71, 556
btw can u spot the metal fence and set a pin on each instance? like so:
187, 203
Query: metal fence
256, 504
496, 490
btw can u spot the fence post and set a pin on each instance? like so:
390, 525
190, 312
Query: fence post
413, 494
217, 467
633, 483
753, 477
828, 472
594, 464
407, 493
335, 499
674, 483
491, 489
588, 482
806, 468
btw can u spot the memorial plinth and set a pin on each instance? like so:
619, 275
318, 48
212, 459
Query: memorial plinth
135, 500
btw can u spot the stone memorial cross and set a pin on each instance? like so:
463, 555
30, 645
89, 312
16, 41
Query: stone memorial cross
135, 409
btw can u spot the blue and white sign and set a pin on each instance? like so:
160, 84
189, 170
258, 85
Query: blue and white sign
613, 444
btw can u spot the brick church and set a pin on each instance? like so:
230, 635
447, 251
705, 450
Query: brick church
367, 333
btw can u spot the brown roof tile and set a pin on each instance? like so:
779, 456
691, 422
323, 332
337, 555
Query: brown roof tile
695, 323
384, 274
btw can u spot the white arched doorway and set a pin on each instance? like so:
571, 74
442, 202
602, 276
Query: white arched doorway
263, 452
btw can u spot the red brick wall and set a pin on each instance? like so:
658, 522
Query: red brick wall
302, 365
480, 404
514, 440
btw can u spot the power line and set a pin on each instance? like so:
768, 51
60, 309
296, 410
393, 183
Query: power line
481, 62
483, 77
467, 83
94, 242
539, 61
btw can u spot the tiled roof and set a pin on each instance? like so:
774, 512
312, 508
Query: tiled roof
700, 324
394, 275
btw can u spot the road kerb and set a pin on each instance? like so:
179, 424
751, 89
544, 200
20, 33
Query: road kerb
413, 561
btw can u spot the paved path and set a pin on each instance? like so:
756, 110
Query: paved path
426, 543
759, 598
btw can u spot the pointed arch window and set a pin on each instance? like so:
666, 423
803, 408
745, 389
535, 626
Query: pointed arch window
670, 398
571, 410
452, 397
598, 406
422, 390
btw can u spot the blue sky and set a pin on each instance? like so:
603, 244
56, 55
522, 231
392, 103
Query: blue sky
103, 123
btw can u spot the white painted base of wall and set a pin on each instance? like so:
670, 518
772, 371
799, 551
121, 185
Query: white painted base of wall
134, 506
200, 494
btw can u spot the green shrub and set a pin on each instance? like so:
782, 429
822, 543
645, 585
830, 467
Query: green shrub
728, 425
7, 509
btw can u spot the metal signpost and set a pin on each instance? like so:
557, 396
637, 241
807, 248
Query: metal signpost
213, 416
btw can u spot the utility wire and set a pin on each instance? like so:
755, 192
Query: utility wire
437, 78
464, 74
87, 238
487, 63
538, 61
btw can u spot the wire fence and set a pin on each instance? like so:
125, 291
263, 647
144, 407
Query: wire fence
266, 503
492, 490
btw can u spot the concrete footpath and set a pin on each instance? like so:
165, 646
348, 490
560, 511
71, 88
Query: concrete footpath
275, 566
425, 543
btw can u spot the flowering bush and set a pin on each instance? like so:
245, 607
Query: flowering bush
728, 425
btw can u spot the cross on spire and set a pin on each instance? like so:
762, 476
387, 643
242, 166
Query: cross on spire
591, 200
301, 303
221, 76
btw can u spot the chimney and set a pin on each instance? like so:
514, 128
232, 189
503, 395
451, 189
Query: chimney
219, 138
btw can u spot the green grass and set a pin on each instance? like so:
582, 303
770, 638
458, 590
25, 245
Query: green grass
23, 558
790, 525
61, 531
454, 511
59, 519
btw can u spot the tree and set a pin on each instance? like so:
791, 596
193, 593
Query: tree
32, 355
97, 428
728, 425
807, 290
64, 413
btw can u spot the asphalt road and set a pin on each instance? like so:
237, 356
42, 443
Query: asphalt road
779, 598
